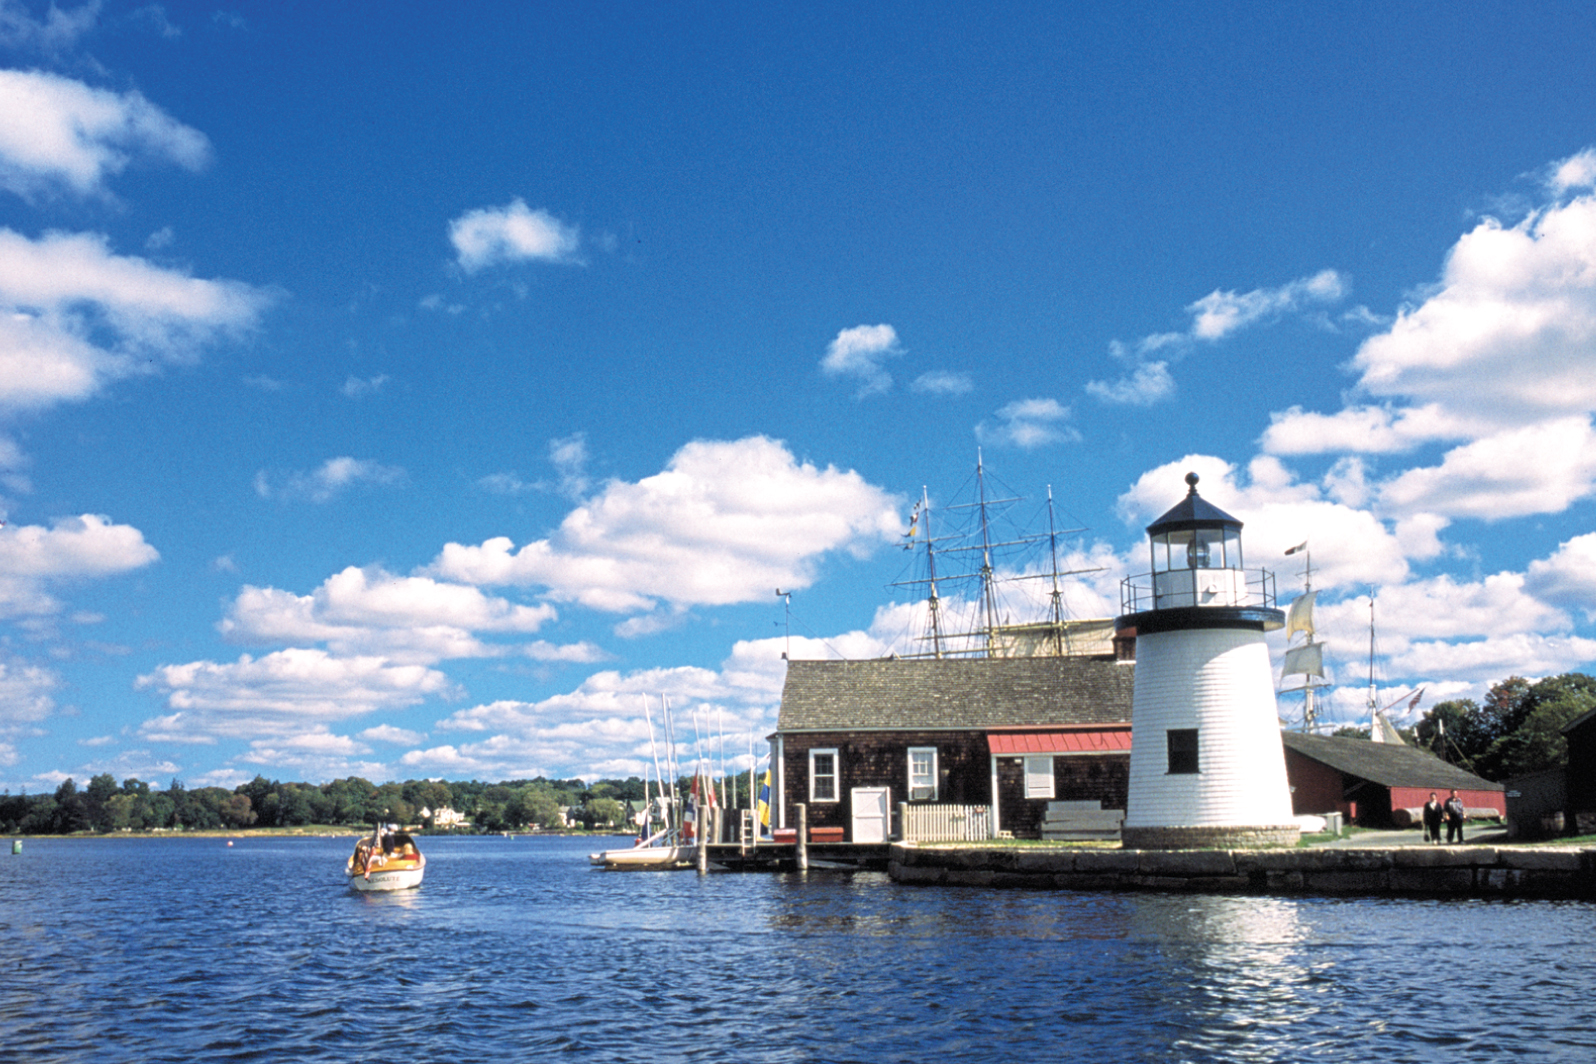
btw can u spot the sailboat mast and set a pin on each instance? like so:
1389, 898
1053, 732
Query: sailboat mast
1374, 703
988, 585
933, 604
1058, 596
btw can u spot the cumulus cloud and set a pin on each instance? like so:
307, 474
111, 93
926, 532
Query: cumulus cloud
724, 522
329, 480
413, 619
1495, 358
1213, 318
279, 693
1351, 547
25, 694
60, 134
1568, 577
942, 382
74, 316
1030, 423
494, 236
33, 558
859, 353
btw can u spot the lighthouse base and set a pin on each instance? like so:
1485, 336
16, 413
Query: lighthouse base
1213, 837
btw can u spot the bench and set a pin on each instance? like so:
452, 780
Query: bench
1081, 821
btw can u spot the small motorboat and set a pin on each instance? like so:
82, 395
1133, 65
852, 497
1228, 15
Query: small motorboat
388, 860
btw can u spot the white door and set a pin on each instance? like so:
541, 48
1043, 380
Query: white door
872, 812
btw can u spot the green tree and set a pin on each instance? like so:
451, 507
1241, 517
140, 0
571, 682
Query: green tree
603, 813
1537, 742
237, 811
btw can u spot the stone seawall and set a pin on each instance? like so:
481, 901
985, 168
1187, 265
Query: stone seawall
1468, 871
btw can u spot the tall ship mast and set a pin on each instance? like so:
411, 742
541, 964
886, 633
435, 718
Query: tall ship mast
978, 553
1304, 660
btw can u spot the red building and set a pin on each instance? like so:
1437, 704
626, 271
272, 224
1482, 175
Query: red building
1367, 782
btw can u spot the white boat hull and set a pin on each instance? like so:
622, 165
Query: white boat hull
646, 858
388, 878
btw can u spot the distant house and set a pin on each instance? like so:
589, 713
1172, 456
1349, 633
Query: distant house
855, 738
443, 818
1369, 782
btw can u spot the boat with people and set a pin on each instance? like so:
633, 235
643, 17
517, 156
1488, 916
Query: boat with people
386, 860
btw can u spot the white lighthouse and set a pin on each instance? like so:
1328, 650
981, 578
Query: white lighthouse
1207, 768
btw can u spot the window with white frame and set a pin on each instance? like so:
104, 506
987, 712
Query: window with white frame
1039, 776
922, 773
823, 775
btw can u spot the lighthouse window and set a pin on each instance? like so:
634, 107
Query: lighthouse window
1182, 750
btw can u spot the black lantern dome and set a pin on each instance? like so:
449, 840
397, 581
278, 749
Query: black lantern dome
1197, 579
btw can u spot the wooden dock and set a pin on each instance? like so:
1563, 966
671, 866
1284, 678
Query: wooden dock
784, 856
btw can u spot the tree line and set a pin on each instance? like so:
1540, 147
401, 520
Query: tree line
104, 805
1515, 730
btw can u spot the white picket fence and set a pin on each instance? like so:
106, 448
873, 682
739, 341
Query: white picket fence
946, 823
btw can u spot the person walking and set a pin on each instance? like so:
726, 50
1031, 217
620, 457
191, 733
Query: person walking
1454, 818
1433, 815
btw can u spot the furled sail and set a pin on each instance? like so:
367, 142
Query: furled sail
1300, 619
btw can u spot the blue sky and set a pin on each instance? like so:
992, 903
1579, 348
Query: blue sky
413, 396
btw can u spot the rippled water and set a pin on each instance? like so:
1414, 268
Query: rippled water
186, 949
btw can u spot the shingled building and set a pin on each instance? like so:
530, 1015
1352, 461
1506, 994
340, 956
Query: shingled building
854, 738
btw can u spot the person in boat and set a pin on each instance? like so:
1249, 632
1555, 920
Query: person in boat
1433, 815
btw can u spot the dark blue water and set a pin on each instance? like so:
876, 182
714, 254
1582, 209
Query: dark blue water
187, 950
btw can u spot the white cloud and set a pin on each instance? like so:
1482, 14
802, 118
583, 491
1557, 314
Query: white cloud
414, 619
25, 695
1542, 468
1218, 314
724, 522
359, 387
1030, 423
57, 31
279, 694
1213, 317
492, 236
330, 479
71, 549
1147, 384
569, 458
387, 733
58, 133
1568, 577
1350, 546
74, 316
1496, 358
942, 382
859, 352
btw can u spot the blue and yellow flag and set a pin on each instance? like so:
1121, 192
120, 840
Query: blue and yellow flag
763, 805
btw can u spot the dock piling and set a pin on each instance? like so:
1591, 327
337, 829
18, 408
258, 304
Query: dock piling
802, 847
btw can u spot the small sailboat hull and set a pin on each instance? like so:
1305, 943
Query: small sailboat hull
646, 858
397, 876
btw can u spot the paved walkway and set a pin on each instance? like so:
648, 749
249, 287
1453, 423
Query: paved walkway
1485, 834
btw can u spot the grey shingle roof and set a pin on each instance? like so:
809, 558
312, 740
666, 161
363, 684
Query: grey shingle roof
954, 693
1385, 763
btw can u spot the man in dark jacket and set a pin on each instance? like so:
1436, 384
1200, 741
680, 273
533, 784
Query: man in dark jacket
1454, 818
1433, 814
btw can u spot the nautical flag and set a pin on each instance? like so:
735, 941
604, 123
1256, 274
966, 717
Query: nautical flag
764, 800
1301, 546
914, 521
1415, 703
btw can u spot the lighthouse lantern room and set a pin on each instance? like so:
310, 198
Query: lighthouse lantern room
1207, 768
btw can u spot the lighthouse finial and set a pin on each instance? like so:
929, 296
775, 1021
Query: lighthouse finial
1191, 480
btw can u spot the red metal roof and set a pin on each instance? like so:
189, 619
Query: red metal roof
1092, 741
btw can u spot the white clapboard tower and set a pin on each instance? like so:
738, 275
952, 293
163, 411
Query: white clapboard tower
1207, 767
